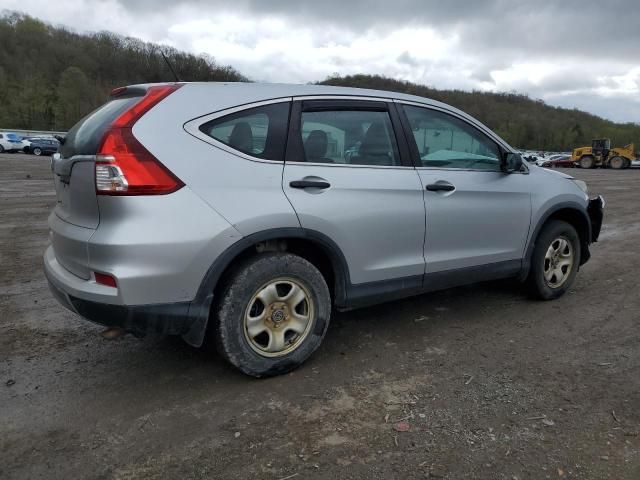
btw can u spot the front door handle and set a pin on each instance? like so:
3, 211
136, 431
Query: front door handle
440, 187
309, 184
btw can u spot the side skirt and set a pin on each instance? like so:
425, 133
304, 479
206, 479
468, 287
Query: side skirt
372, 293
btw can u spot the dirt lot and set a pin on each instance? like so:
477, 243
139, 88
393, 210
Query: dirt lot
493, 385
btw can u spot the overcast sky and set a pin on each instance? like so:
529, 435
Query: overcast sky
571, 53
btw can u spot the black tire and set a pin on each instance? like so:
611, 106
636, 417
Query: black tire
1, 149
538, 285
627, 163
617, 163
228, 318
587, 162
37, 151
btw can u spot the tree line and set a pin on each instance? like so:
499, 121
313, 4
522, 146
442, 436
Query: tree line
523, 122
50, 77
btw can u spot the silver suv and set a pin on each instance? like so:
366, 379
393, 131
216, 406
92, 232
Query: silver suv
245, 212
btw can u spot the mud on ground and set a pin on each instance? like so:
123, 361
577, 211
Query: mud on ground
493, 385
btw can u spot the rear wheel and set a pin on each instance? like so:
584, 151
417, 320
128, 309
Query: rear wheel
1, 149
273, 314
555, 260
587, 162
617, 163
37, 151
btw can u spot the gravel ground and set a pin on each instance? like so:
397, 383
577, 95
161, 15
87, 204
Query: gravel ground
491, 384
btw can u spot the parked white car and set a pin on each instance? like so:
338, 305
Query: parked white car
26, 143
10, 142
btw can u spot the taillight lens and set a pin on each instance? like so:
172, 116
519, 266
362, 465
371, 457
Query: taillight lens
123, 165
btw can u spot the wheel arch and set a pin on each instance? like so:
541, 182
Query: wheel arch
570, 212
314, 246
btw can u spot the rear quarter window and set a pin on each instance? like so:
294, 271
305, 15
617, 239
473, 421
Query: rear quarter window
260, 132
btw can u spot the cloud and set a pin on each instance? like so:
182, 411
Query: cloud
406, 58
581, 51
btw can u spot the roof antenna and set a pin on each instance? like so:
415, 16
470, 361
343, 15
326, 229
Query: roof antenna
170, 66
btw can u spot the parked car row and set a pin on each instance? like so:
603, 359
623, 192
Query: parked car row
555, 160
14, 143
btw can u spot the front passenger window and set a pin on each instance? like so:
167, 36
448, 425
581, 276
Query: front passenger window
445, 141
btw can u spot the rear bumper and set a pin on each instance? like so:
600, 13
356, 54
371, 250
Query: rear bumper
95, 303
595, 209
74, 285
140, 320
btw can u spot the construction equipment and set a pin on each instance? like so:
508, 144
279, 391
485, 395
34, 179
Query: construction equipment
600, 154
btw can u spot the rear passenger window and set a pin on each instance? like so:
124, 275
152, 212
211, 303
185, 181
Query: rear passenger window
445, 141
260, 132
354, 137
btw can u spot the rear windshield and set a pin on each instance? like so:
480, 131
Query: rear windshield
84, 137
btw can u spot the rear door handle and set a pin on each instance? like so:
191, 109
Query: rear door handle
440, 187
309, 184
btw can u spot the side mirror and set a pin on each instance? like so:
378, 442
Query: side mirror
511, 162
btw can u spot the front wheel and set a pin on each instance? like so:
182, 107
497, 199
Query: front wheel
37, 151
272, 315
555, 260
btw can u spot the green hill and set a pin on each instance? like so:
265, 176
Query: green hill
523, 122
50, 77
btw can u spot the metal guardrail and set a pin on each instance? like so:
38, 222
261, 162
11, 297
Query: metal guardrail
32, 133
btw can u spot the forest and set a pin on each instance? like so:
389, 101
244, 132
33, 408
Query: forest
50, 77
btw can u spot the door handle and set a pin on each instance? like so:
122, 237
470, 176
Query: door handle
440, 187
309, 184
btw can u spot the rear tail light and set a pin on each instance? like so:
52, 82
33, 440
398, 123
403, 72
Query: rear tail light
123, 165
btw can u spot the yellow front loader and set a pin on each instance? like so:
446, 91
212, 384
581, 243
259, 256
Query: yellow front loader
600, 154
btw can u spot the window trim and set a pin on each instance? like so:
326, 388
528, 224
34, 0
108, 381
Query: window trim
415, 153
295, 149
192, 127
324, 105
